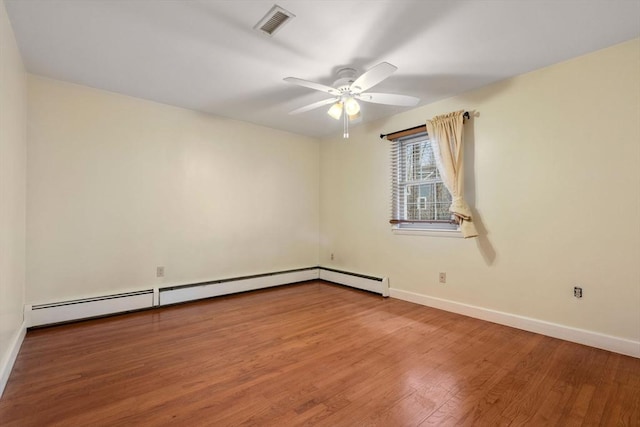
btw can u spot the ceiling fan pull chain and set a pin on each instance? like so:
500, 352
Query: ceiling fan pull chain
345, 118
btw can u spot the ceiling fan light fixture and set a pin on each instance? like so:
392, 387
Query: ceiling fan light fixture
336, 110
351, 106
353, 117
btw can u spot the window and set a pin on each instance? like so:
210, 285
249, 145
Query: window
420, 199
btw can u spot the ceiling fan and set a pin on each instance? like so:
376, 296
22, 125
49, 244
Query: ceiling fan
348, 90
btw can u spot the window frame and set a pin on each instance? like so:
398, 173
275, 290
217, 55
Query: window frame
436, 228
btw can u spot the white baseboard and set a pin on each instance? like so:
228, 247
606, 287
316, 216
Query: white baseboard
232, 286
367, 283
567, 333
9, 358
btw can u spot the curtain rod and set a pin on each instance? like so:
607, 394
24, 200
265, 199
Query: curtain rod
384, 135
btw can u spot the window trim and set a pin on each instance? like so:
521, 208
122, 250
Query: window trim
430, 232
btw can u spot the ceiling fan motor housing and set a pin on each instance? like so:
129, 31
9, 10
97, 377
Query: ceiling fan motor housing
346, 76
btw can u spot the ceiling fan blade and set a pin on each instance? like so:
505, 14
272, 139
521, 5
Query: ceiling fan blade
389, 99
313, 85
372, 77
314, 105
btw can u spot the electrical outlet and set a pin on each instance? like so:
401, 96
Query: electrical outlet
577, 292
331, 256
443, 277
159, 271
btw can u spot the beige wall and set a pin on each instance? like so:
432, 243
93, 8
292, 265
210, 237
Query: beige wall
13, 141
118, 186
553, 173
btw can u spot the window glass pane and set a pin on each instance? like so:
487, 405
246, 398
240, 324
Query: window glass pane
419, 162
423, 195
443, 201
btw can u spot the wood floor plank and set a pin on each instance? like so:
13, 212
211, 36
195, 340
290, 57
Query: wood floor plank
312, 354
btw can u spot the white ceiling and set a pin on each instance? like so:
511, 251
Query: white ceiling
205, 55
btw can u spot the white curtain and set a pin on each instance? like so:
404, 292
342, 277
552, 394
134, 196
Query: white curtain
445, 134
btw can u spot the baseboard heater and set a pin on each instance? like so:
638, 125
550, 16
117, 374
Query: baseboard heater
65, 311
86, 308
378, 285
214, 288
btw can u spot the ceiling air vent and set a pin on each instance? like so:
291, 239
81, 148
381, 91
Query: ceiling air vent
274, 20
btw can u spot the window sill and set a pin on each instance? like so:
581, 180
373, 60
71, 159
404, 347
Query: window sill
427, 232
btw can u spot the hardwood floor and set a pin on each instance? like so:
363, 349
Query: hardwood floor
312, 354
